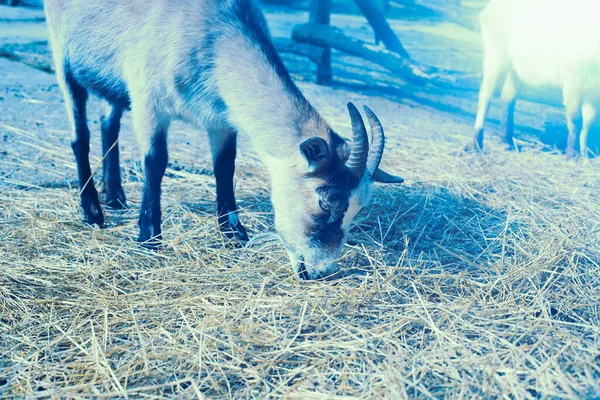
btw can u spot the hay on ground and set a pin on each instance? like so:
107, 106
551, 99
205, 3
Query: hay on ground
478, 278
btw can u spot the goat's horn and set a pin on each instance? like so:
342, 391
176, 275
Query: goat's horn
357, 162
377, 143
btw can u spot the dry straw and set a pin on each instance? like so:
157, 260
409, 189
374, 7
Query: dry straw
478, 278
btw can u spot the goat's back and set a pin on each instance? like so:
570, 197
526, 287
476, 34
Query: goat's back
114, 46
546, 42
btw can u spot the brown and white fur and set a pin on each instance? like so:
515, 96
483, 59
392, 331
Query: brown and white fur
542, 43
212, 63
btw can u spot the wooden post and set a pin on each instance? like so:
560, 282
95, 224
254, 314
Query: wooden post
385, 7
382, 28
320, 13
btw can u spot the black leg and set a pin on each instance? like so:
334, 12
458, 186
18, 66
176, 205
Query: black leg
509, 124
115, 196
155, 164
223, 143
510, 92
478, 139
75, 99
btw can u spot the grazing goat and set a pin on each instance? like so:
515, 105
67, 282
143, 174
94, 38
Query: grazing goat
211, 62
542, 43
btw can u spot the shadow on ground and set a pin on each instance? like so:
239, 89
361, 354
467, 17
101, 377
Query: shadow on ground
435, 228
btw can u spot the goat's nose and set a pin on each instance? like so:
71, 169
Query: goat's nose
302, 272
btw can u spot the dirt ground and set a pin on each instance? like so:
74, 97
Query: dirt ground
478, 278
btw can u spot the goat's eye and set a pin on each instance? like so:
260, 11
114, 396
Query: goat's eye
323, 206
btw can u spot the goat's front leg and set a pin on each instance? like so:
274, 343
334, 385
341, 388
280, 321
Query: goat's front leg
494, 64
223, 146
151, 129
75, 100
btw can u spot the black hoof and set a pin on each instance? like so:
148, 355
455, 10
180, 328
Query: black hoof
234, 231
476, 144
513, 147
150, 243
241, 233
474, 148
116, 200
153, 245
231, 227
150, 235
92, 213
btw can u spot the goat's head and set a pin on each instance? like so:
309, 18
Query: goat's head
315, 206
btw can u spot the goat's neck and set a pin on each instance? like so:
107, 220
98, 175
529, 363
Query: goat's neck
264, 103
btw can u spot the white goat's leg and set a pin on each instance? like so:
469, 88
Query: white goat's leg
494, 63
510, 91
588, 112
572, 102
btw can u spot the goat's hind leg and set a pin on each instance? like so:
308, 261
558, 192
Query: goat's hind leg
223, 146
115, 196
75, 100
588, 112
510, 90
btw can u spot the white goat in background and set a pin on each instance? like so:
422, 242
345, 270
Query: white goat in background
542, 43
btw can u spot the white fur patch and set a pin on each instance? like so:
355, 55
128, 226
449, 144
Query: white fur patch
353, 208
360, 198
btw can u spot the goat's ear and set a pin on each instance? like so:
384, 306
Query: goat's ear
315, 151
383, 177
